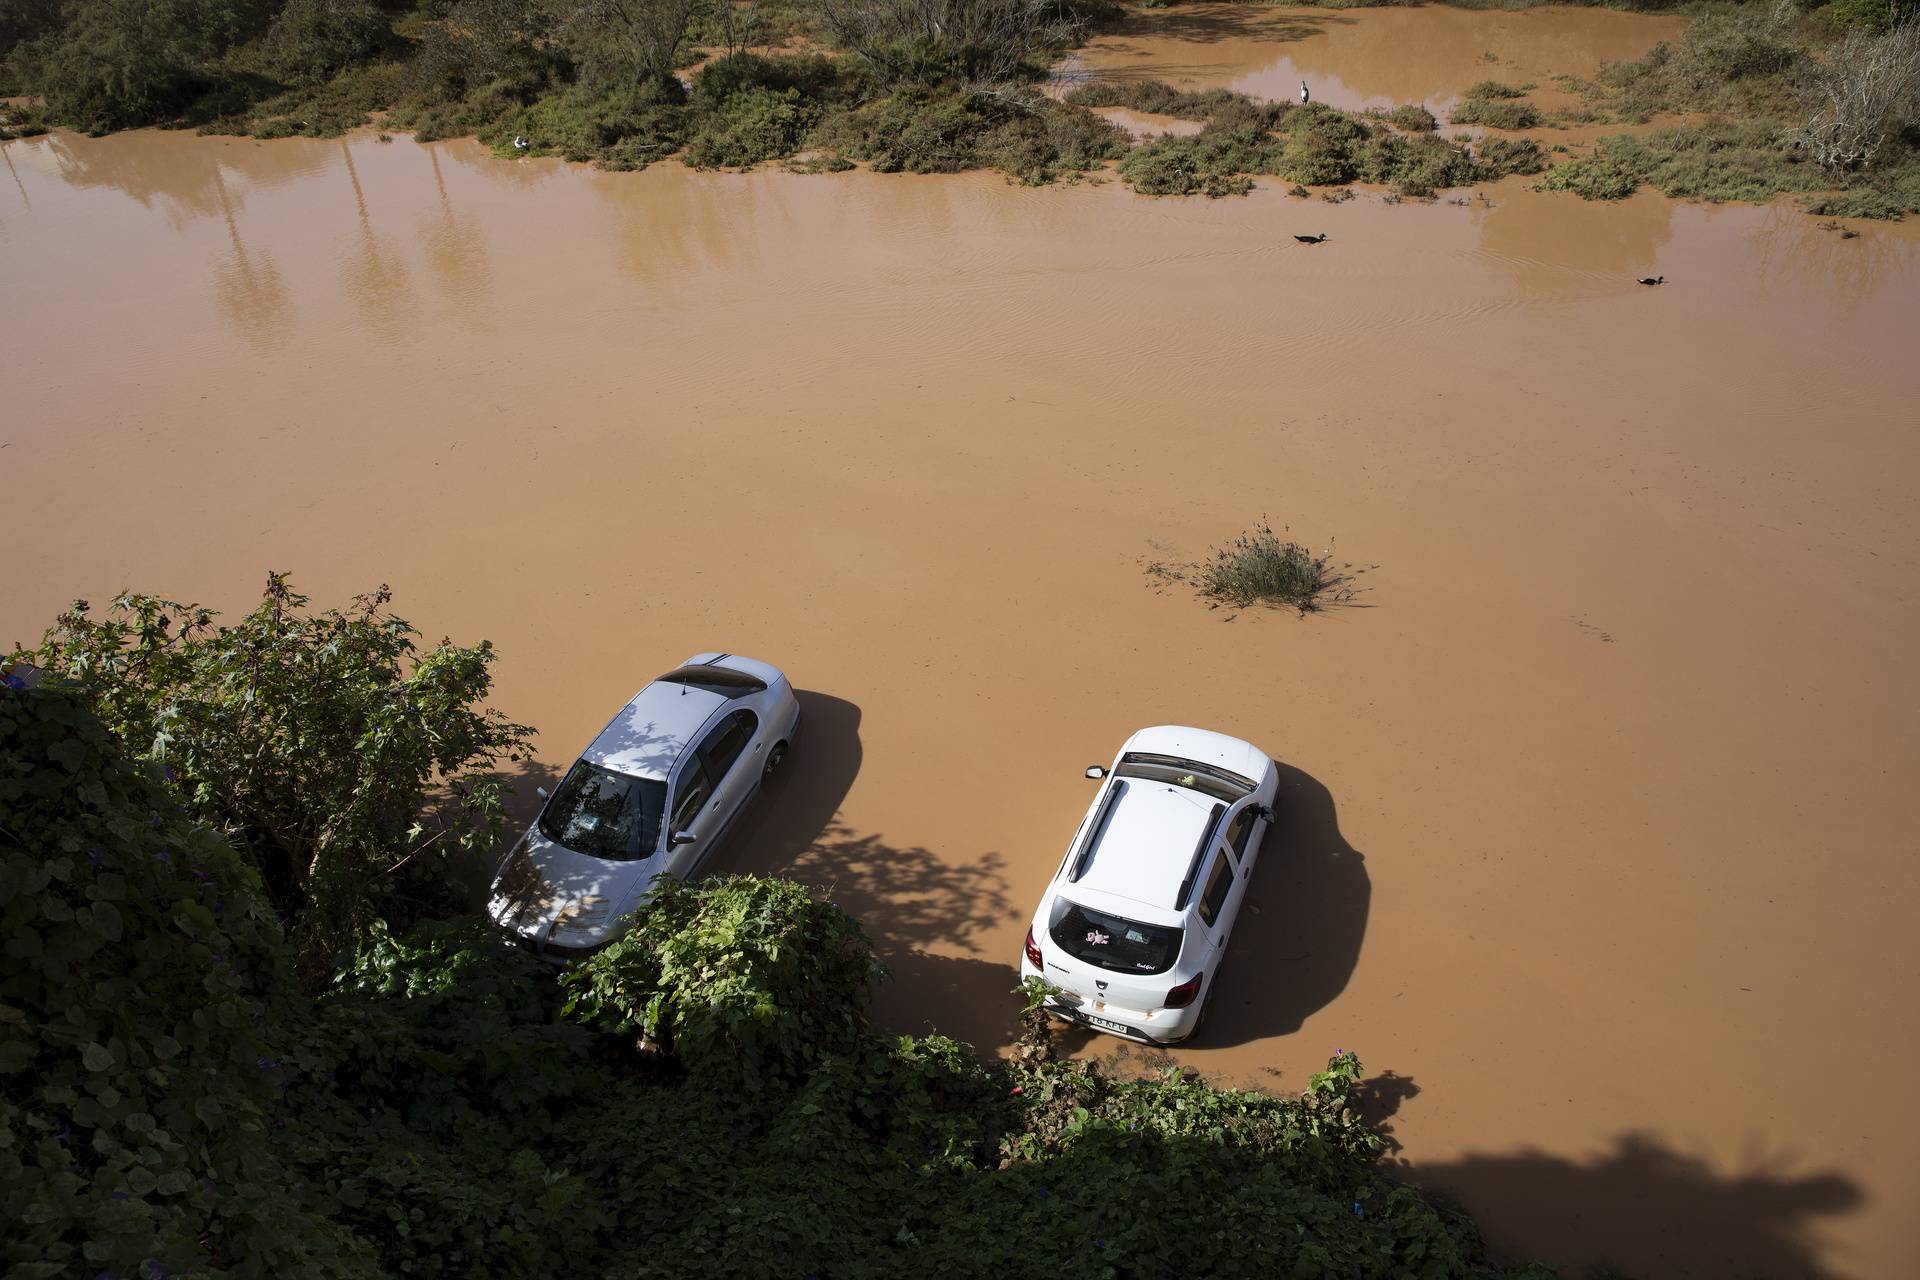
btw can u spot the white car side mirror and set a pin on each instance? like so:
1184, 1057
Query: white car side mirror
680, 838
1096, 771
541, 792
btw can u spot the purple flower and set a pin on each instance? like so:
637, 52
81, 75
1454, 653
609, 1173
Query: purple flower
1044, 1192
93, 856
119, 1195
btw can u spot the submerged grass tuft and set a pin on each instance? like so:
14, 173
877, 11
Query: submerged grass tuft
1262, 567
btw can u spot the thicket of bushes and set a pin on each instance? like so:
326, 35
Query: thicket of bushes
1312, 144
1820, 101
173, 1101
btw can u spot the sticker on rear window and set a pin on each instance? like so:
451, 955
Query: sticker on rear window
1134, 935
1097, 938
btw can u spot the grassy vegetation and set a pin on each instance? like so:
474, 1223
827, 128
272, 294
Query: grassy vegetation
1261, 567
1824, 101
1313, 144
1496, 106
706, 1098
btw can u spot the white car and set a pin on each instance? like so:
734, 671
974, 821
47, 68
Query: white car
652, 795
1134, 927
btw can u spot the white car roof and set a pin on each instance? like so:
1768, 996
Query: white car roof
648, 734
1202, 746
646, 737
1145, 845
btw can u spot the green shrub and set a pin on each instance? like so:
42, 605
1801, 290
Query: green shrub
1412, 117
1320, 146
1159, 98
1261, 567
625, 127
745, 979
1717, 161
749, 127
1494, 91
915, 131
142, 969
118, 63
1048, 139
1498, 157
348, 766
313, 40
1493, 113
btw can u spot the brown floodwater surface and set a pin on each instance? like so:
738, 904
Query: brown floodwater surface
1598, 833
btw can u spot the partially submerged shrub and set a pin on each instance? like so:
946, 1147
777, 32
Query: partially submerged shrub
624, 127
347, 764
1498, 157
1261, 567
1494, 91
744, 978
1412, 117
1156, 97
1715, 161
1214, 162
1494, 113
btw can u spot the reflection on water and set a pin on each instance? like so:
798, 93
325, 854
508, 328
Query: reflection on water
457, 249
1560, 246
15, 174
375, 274
251, 292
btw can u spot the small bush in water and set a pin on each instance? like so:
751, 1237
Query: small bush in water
1261, 567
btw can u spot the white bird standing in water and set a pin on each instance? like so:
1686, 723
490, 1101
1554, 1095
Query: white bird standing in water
1303, 93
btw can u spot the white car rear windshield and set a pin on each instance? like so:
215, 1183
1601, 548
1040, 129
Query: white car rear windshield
604, 814
1207, 779
1113, 942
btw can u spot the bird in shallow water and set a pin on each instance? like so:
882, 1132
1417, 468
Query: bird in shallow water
1312, 239
1303, 93
1653, 279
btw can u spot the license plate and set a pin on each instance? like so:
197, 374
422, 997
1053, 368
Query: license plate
1105, 1025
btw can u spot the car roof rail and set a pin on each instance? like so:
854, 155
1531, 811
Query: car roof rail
1085, 860
1199, 853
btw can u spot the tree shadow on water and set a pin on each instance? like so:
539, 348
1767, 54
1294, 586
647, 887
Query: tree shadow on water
918, 908
1642, 1209
1298, 935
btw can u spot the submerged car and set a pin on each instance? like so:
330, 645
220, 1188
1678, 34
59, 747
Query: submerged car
1134, 927
653, 794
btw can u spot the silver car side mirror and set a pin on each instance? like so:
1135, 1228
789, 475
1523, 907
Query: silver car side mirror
541, 792
1096, 771
682, 837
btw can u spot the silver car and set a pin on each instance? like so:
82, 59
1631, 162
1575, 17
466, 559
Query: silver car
654, 794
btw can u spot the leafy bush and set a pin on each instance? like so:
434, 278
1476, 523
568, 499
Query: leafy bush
1494, 91
1156, 97
1261, 567
1412, 117
142, 967
1212, 163
348, 766
1715, 161
746, 980
1498, 157
117, 63
1320, 146
749, 127
1496, 114
314, 40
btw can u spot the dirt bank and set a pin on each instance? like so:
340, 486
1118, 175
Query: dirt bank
1599, 831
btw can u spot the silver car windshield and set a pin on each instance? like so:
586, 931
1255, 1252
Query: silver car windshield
1204, 778
1113, 942
604, 814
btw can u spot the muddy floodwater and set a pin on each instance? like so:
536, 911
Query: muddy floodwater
1597, 837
